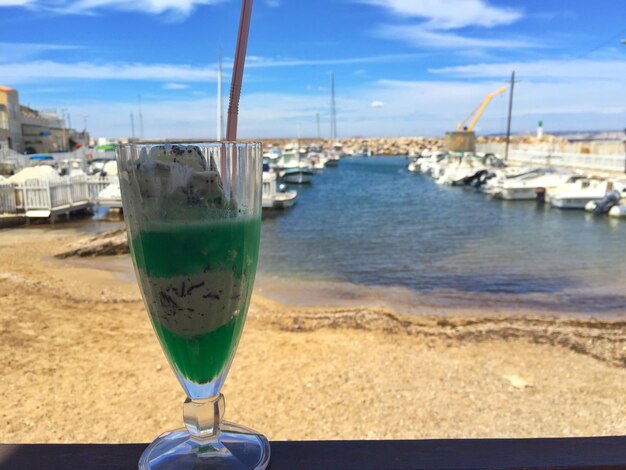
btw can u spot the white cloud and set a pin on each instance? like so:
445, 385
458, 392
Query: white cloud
254, 61
14, 3
14, 51
451, 14
420, 36
38, 71
440, 17
178, 7
377, 104
545, 69
175, 86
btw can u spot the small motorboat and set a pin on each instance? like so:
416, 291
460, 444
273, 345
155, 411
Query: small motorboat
273, 199
297, 175
577, 193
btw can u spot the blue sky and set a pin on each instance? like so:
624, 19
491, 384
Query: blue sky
402, 67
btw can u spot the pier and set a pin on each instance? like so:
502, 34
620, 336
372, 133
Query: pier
50, 199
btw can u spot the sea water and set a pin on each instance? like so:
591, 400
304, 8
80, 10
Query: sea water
370, 225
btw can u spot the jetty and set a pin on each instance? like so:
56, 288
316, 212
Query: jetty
40, 194
37, 199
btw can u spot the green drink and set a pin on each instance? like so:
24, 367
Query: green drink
193, 216
195, 244
197, 279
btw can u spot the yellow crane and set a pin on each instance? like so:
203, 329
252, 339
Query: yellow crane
478, 112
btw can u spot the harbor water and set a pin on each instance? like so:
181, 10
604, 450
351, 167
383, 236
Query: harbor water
369, 228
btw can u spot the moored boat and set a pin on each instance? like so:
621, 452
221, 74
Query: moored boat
273, 199
577, 193
528, 187
297, 176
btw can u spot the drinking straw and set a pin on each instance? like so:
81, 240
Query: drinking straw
240, 60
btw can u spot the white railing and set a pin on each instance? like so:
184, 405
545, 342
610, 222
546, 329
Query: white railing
602, 162
11, 156
32, 194
571, 160
57, 195
52, 195
95, 184
7, 199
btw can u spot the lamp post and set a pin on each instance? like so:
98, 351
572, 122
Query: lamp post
64, 146
624, 140
623, 42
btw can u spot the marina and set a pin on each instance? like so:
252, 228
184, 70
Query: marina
393, 222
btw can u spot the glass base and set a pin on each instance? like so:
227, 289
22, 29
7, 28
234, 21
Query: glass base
235, 447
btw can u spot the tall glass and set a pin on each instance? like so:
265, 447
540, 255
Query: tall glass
193, 215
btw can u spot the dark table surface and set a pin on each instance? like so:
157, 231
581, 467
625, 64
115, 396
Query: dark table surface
574, 453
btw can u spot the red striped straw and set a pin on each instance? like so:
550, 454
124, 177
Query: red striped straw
240, 61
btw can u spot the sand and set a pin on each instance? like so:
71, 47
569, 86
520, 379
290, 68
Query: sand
79, 363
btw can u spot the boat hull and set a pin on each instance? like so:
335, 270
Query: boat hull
571, 202
297, 177
280, 201
517, 194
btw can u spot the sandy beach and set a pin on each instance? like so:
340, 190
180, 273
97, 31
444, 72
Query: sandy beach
79, 363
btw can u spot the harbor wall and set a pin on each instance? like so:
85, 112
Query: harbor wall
603, 147
567, 155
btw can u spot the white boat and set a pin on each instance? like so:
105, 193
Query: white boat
332, 159
363, 152
272, 158
503, 174
292, 157
577, 193
432, 163
111, 195
273, 199
317, 161
414, 166
456, 171
528, 187
296, 175
71, 167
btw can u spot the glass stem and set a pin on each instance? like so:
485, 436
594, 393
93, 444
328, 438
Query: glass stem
203, 417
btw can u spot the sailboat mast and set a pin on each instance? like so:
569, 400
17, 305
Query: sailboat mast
319, 134
141, 135
333, 116
220, 110
508, 122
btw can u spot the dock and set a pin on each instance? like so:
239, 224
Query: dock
51, 199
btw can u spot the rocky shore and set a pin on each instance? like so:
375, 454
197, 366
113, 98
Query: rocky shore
114, 242
412, 145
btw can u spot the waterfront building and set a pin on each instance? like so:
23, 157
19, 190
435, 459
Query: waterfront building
28, 130
10, 122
